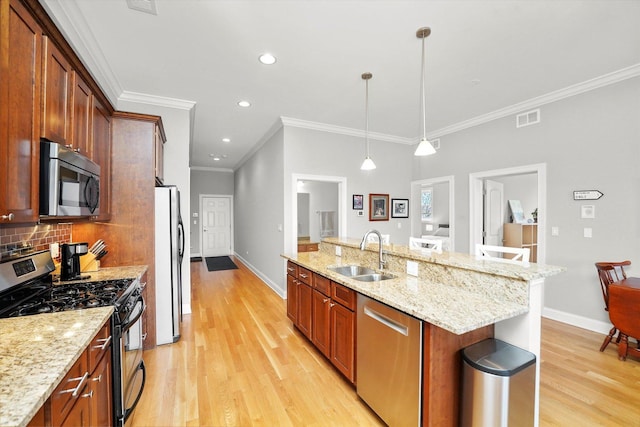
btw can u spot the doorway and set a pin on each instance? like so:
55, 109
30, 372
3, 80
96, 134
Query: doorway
477, 205
441, 219
216, 225
341, 210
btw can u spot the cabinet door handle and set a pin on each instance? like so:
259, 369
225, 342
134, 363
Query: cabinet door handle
74, 391
9, 217
324, 301
97, 380
105, 342
332, 304
89, 395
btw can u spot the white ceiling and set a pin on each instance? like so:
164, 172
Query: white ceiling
484, 59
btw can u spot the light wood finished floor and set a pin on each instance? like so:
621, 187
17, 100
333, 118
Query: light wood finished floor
241, 363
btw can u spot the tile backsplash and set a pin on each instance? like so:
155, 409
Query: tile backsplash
39, 237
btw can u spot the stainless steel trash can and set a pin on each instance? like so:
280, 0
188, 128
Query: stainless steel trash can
498, 385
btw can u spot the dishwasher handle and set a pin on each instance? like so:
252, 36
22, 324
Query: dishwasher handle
390, 323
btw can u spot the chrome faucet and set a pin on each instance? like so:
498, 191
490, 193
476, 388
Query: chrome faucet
381, 260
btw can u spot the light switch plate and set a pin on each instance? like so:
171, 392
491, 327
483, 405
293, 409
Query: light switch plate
555, 231
588, 232
412, 268
338, 250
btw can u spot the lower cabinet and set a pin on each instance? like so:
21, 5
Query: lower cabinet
84, 396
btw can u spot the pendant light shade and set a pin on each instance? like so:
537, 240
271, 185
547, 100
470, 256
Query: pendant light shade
368, 164
424, 148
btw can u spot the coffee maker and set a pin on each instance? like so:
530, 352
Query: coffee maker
70, 266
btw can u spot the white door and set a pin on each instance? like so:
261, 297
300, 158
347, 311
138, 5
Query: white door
216, 226
493, 212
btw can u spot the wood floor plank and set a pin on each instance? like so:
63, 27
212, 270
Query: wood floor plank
240, 362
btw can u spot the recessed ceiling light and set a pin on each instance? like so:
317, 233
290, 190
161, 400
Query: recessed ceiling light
244, 104
267, 59
226, 140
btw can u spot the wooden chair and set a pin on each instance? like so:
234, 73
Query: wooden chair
427, 245
624, 312
609, 272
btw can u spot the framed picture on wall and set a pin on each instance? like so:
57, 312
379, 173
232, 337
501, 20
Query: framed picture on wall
399, 208
358, 201
378, 207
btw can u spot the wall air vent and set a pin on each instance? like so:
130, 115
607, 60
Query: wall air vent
529, 118
146, 6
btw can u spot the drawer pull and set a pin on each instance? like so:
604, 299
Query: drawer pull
304, 276
105, 342
74, 391
97, 380
290, 268
89, 395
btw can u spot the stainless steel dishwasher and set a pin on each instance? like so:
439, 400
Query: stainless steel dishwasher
389, 362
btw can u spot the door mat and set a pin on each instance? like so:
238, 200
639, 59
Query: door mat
217, 263
196, 258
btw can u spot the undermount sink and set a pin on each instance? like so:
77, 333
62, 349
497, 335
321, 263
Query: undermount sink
351, 270
375, 277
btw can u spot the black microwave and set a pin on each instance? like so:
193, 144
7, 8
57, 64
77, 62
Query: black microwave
69, 182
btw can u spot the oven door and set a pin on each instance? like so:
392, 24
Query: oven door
132, 371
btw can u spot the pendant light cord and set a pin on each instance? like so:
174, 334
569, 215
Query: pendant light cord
366, 117
423, 97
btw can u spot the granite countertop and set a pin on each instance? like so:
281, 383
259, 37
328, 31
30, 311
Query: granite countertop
36, 352
459, 260
449, 307
110, 273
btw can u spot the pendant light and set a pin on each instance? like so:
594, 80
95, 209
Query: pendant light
424, 148
368, 164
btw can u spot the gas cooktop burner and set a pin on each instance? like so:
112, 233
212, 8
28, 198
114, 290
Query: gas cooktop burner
43, 297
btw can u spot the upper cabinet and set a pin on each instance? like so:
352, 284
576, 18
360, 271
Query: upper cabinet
81, 114
101, 142
20, 76
56, 102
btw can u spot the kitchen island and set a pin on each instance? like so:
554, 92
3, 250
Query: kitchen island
460, 298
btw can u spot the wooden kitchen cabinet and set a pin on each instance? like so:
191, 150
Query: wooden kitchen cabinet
81, 137
56, 90
521, 236
84, 396
304, 300
292, 298
20, 90
321, 324
101, 143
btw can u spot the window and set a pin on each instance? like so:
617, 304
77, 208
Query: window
426, 204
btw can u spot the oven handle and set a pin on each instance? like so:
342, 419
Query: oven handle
128, 325
128, 411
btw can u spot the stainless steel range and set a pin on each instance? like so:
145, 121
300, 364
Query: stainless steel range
26, 288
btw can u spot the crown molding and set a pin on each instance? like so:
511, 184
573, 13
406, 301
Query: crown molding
160, 101
72, 24
323, 127
576, 89
277, 125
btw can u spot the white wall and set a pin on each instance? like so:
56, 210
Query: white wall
589, 142
177, 127
523, 188
259, 212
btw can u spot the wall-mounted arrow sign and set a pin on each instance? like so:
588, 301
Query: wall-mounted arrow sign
587, 195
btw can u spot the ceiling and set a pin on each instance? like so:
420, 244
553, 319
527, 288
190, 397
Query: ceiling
485, 59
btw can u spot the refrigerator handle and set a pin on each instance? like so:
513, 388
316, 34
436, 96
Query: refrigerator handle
181, 234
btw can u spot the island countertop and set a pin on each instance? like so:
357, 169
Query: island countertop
457, 309
36, 352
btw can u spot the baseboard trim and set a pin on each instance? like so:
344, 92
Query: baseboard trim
578, 321
274, 287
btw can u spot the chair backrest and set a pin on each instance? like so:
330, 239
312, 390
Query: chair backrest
373, 238
609, 272
624, 309
496, 253
426, 245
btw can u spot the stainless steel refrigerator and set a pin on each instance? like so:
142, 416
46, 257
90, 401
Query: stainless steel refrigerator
169, 245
